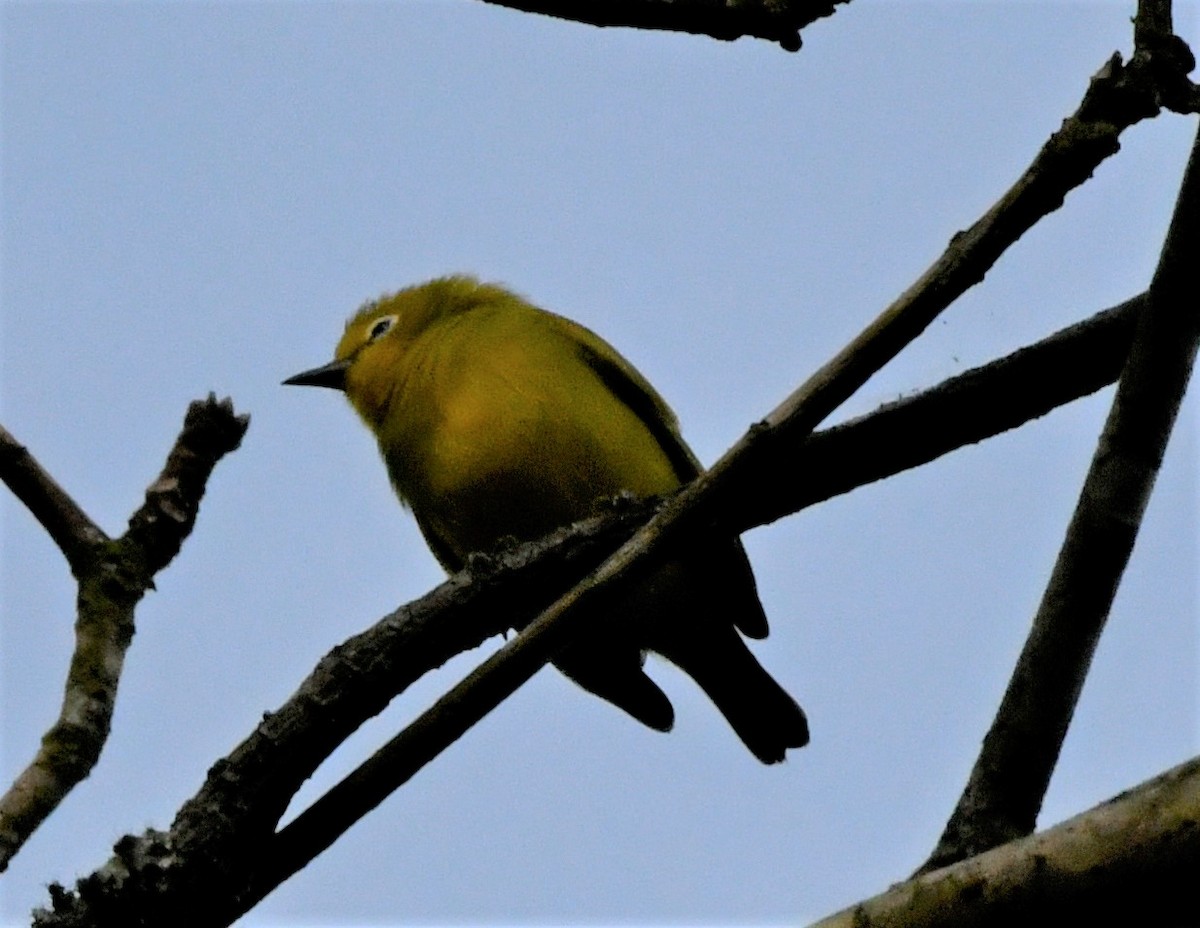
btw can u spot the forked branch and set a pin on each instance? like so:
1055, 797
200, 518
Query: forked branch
113, 576
1137, 852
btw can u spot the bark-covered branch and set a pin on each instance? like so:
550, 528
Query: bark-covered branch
1135, 853
113, 576
917, 429
208, 869
1005, 790
1158, 50
775, 20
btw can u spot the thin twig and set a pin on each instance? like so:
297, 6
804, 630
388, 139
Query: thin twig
1005, 790
64, 521
113, 577
1152, 20
1157, 49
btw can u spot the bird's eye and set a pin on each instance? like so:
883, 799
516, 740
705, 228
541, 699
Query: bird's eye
380, 327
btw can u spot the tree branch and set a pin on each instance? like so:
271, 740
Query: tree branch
1141, 845
113, 576
1006, 786
962, 410
1117, 97
64, 521
200, 872
776, 20
1160, 51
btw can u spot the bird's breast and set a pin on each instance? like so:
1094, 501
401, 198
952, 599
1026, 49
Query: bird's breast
515, 444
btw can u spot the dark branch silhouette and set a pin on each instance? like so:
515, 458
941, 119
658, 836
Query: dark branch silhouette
975, 405
775, 20
1004, 794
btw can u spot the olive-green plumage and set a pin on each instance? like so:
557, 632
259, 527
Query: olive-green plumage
500, 420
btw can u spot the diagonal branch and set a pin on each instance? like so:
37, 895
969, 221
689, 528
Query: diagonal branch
113, 576
917, 429
1005, 790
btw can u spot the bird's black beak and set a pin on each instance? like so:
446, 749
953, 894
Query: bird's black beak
332, 375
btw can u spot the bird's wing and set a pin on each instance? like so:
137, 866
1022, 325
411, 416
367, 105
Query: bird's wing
731, 565
632, 389
445, 555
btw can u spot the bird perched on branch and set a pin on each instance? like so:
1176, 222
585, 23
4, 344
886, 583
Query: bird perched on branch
500, 420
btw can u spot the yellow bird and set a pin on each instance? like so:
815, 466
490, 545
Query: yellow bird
499, 420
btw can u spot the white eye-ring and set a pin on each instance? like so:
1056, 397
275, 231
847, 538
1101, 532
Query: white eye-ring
380, 327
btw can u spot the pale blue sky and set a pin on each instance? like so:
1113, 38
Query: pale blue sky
195, 195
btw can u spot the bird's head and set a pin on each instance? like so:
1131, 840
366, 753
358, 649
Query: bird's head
369, 357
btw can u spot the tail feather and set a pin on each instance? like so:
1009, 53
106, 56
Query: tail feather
758, 709
613, 671
690, 611
749, 616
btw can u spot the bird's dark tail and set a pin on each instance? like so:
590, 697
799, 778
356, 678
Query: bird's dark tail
612, 669
762, 713
683, 612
